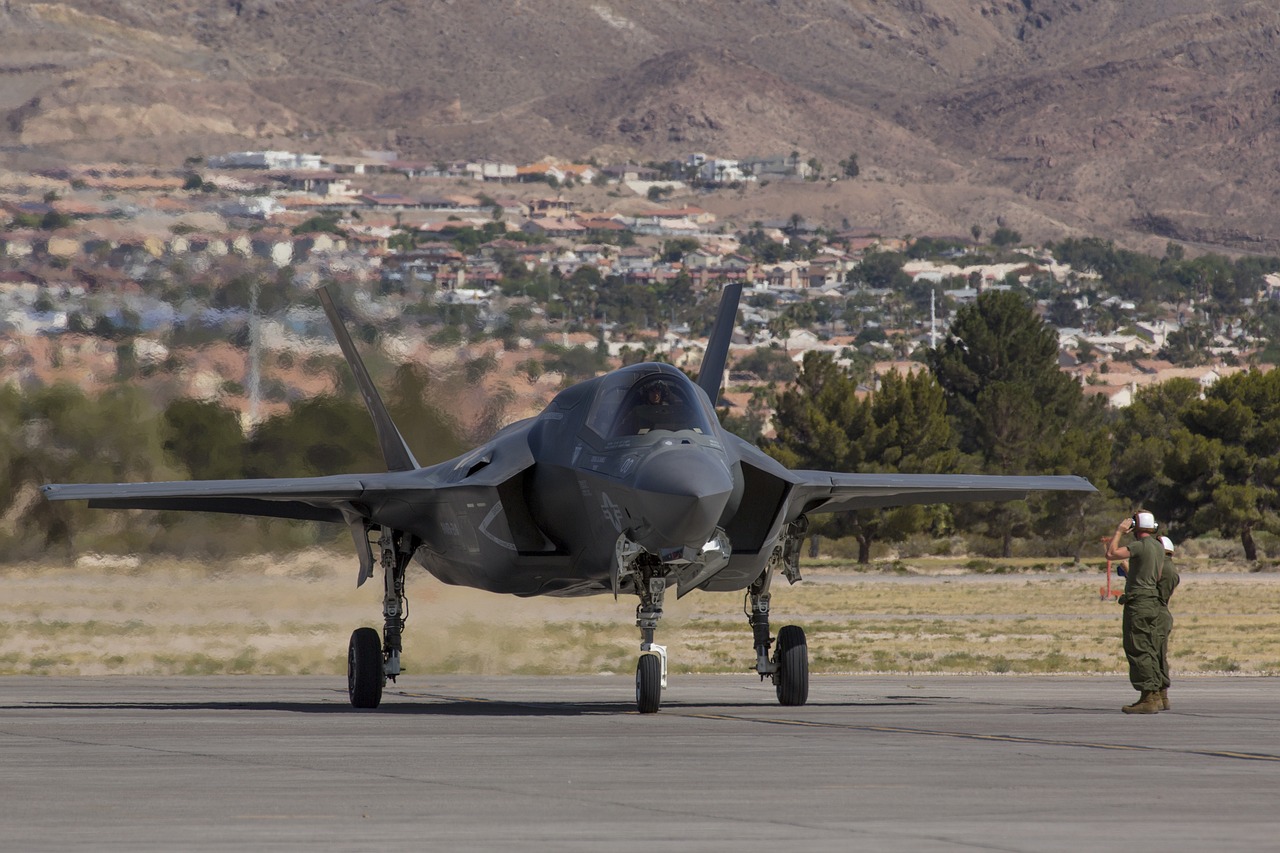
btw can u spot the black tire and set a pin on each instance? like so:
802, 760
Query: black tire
365, 673
792, 678
648, 684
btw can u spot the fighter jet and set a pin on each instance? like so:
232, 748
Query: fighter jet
623, 484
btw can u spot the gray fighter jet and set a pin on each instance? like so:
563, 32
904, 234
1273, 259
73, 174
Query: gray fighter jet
625, 483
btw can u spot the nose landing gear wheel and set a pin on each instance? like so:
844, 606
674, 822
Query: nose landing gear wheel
648, 684
792, 676
365, 674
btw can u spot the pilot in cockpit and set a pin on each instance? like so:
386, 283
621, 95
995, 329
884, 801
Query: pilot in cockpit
654, 407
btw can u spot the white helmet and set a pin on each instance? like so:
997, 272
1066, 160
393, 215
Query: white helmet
1144, 521
1167, 543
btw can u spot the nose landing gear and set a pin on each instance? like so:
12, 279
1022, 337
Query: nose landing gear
651, 669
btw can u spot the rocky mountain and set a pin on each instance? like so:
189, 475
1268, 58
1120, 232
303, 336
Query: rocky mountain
1140, 120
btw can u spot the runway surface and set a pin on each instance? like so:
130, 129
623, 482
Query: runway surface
552, 763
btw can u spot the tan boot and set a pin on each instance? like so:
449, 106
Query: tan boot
1148, 703
1164, 699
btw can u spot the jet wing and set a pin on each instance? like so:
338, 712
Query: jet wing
825, 491
313, 498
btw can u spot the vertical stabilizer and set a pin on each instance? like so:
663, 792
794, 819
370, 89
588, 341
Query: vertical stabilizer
394, 450
717, 355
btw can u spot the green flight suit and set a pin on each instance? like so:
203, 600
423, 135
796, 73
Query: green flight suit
1141, 621
1165, 586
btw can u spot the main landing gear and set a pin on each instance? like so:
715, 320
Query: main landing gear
788, 667
370, 662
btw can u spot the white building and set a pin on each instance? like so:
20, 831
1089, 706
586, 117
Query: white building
265, 160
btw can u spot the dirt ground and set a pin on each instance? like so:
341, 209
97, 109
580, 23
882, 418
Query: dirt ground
159, 617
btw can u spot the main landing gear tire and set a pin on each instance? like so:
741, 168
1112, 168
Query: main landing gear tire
792, 677
648, 684
365, 673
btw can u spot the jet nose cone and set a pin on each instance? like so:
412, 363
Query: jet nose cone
683, 492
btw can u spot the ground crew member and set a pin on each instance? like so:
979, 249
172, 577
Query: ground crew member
1165, 586
1140, 622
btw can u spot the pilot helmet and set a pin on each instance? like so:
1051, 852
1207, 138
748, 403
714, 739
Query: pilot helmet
652, 388
1167, 543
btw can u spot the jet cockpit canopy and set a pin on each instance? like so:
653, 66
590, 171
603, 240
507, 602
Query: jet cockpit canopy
647, 398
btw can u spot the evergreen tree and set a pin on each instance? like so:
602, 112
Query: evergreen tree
324, 435
1018, 413
901, 427
205, 437
1156, 455
1237, 485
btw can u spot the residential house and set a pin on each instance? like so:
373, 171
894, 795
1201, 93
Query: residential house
512, 208
211, 245
605, 225
240, 244
715, 170
779, 167
701, 259
785, 275
593, 253
630, 172
275, 246
1155, 332
265, 160
319, 242
316, 182
731, 268
489, 170
395, 201
828, 270
18, 244
547, 227
355, 165
1116, 396
412, 168
555, 208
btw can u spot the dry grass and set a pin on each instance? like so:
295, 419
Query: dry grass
295, 615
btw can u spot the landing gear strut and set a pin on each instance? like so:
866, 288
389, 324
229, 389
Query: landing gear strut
370, 662
788, 667
651, 669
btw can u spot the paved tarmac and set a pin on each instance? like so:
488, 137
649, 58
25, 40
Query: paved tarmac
551, 763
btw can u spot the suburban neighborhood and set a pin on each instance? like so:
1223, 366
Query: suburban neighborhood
107, 269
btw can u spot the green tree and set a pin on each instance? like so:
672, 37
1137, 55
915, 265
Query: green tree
1236, 487
880, 270
1157, 460
431, 433
674, 250
70, 437
780, 326
769, 364
901, 427
749, 425
1017, 412
1004, 237
324, 435
205, 438
849, 168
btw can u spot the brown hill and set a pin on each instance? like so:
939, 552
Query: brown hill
1141, 120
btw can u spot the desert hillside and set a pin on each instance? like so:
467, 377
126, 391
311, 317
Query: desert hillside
1142, 120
